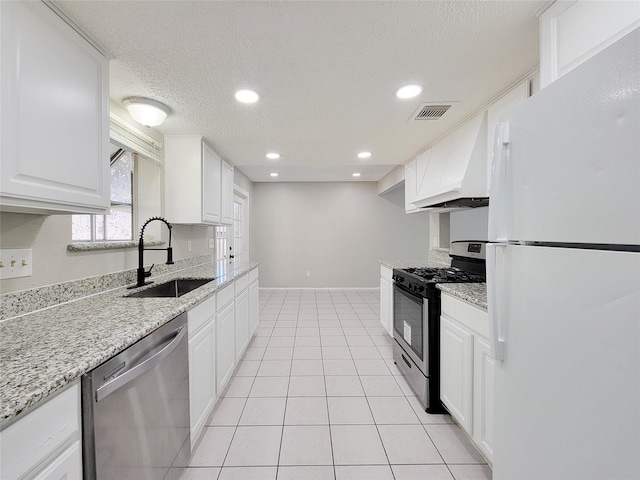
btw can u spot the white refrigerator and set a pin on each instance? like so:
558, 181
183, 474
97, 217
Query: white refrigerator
563, 276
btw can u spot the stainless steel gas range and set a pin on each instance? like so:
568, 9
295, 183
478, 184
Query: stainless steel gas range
416, 318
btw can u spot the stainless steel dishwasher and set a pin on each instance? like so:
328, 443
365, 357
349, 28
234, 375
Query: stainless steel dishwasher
135, 409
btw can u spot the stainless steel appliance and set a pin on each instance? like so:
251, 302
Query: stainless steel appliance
136, 409
416, 318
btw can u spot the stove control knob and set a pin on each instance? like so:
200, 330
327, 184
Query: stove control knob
421, 288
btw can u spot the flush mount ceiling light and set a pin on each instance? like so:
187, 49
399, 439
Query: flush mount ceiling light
247, 96
149, 113
364, 155
409, 91
356, 174
273, 156
273, 174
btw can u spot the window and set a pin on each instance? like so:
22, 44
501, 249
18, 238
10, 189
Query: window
118, 224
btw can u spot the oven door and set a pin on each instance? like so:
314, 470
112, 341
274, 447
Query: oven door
410, 317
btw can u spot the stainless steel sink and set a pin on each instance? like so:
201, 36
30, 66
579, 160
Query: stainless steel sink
174, 288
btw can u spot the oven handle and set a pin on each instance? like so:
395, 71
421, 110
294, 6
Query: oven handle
408, 292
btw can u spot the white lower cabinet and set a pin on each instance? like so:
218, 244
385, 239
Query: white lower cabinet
225, 343
386, 298
254, 302
456, 371
46, 442
242, 322
202, 360
467, 369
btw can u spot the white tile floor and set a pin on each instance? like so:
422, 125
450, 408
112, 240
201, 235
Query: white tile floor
317, 396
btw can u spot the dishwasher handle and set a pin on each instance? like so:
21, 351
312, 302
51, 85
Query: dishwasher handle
145, 365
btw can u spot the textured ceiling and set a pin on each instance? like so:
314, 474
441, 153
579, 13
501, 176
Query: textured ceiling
326, 71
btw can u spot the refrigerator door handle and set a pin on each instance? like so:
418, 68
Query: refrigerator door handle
495, 262
498, 203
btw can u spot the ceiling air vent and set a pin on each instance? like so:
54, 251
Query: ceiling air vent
431, 111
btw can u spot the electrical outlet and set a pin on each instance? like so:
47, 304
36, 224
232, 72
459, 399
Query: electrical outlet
15, 263
308, 273
189, 245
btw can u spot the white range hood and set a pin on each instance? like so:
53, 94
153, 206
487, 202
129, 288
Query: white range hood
452, 174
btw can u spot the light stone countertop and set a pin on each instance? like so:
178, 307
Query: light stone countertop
43, 351
474, 293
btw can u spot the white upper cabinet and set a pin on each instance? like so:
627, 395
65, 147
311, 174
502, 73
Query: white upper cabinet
198, 185
573, 31
55, 115
227, 193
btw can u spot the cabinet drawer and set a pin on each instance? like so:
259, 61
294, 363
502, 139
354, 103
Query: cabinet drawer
468, 315
253, 275
242, 283
67, 466
200, 314
225, 295
29, 440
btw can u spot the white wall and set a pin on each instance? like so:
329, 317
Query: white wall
338, 231
49, 236
469, 224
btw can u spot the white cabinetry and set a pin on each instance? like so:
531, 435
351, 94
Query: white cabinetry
198, 183
55, 115
202, 388
227, 194
467, 369
386, 298
242, 315
46, 442
225, 337
573, 31
456, 370
254, 301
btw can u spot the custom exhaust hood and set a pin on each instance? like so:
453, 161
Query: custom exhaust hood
452, 174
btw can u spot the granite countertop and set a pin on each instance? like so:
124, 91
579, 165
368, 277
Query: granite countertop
474, 293
43, 351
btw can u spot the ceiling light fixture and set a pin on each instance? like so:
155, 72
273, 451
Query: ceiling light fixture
149, 113
273, 174
356, 174
364, 155
273, 156
409, 91
247, 96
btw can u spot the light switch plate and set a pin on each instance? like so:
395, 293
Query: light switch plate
15, 263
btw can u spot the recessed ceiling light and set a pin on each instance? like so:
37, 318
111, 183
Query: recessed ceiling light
409, 91
273, 156
247, 96
273, 174
356, 174
364, 155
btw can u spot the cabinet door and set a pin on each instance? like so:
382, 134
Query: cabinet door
242, 322
55, 115
484, 366
67, 466
201, 378
227, 193
225, 346
254, 307
211, 175
456, 370
386, 305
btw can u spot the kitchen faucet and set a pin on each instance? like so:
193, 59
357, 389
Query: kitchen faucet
142, 274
